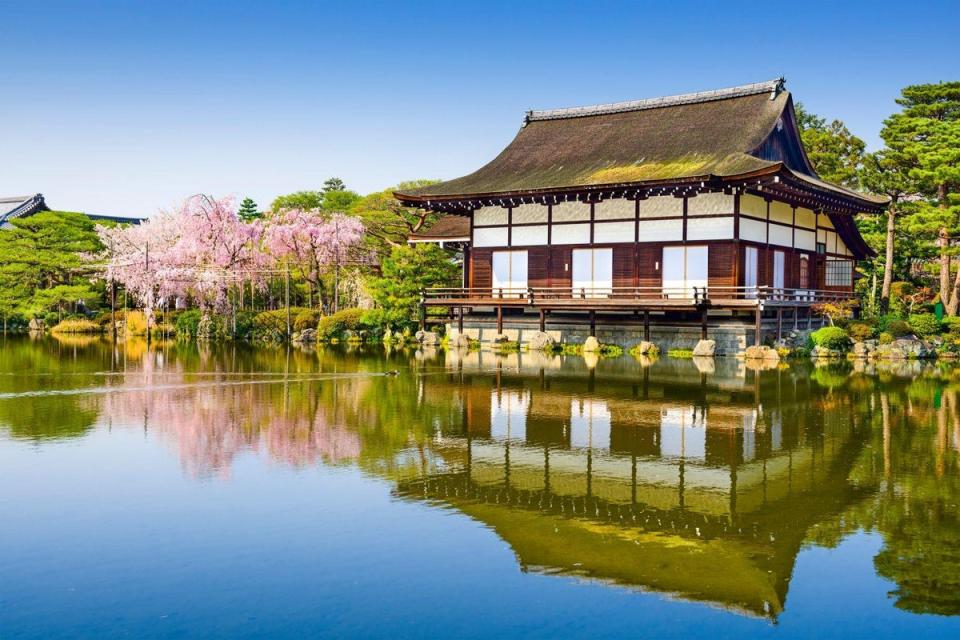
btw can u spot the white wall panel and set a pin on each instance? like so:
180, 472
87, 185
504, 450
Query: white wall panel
523, 236
490, 215
661, 207
753, 206
780, 235
490, 237
571, 211
753, 230
806, 218
613, 231
710, 228
805, 240
709, 204
781, 212
527, 213
570, 234
617, 208
661, 230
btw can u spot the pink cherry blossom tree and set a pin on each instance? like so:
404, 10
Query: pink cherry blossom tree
312, 242
199, 250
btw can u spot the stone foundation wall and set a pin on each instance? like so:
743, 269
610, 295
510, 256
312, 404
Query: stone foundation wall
732, 338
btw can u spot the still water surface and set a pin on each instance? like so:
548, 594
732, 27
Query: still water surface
236, 492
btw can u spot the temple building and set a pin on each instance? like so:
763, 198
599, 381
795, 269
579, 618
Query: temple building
665, 219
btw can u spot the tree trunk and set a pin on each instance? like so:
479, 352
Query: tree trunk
888, 265
948, 290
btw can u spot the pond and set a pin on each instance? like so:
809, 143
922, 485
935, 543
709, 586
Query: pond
179, 491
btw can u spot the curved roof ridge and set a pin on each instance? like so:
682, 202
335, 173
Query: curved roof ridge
773, 87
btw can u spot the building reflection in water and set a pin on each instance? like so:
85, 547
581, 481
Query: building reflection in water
671, 483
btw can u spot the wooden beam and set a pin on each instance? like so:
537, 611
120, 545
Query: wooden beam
499, 319
758, 313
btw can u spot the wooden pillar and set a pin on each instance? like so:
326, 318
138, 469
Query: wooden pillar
779, 322
756, 325
809, 318
543, 320
646, 326
593, 323
703, 325
460, 320
796, 311
499, 319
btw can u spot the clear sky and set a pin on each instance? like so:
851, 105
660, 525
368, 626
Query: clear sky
127, 107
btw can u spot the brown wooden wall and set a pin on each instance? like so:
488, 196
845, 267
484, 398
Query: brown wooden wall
638, 265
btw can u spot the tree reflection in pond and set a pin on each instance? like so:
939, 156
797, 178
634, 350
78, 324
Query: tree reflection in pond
699, 482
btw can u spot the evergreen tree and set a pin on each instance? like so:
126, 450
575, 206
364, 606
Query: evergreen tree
834, 151
923, 143
334, 184
248, 210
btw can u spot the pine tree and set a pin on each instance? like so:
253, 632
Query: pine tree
248, 210
334, 184
923, 142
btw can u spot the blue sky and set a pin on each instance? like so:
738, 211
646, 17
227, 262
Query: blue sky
128, 107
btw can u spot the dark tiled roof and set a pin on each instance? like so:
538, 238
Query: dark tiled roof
449, 227
693, 136
19, 206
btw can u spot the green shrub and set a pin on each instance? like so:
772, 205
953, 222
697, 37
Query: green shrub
187, 322
951, 325
334, 326
886, 338
271, 325
833, 338
860, 331
14, 322
77, 325
306, 319
245, 325
924, 324
51, 318
163, 330
898, 328
652, 353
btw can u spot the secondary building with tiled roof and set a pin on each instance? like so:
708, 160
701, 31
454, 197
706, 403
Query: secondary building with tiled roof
684, 206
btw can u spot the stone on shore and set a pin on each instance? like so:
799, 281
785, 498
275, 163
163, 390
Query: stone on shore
761, 352
591, 345
540, 341
705, 349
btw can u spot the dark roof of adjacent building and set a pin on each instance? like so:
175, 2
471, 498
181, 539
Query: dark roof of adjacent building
23, 206
446, 229
738, 132
19, 206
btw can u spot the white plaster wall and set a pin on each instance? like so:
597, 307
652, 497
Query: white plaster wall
781, 212
523, 236
490, 237
661, 230
753, 205
570, 233
527, 213
780, 235
490, 215
805, 240
571, 211
613, 231
709, 204
753, 230
710, 228
615, 209
661, 206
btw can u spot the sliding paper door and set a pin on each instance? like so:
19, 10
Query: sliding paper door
683, 269
592, 272
509, 274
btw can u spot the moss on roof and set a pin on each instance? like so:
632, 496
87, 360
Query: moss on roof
713, 137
